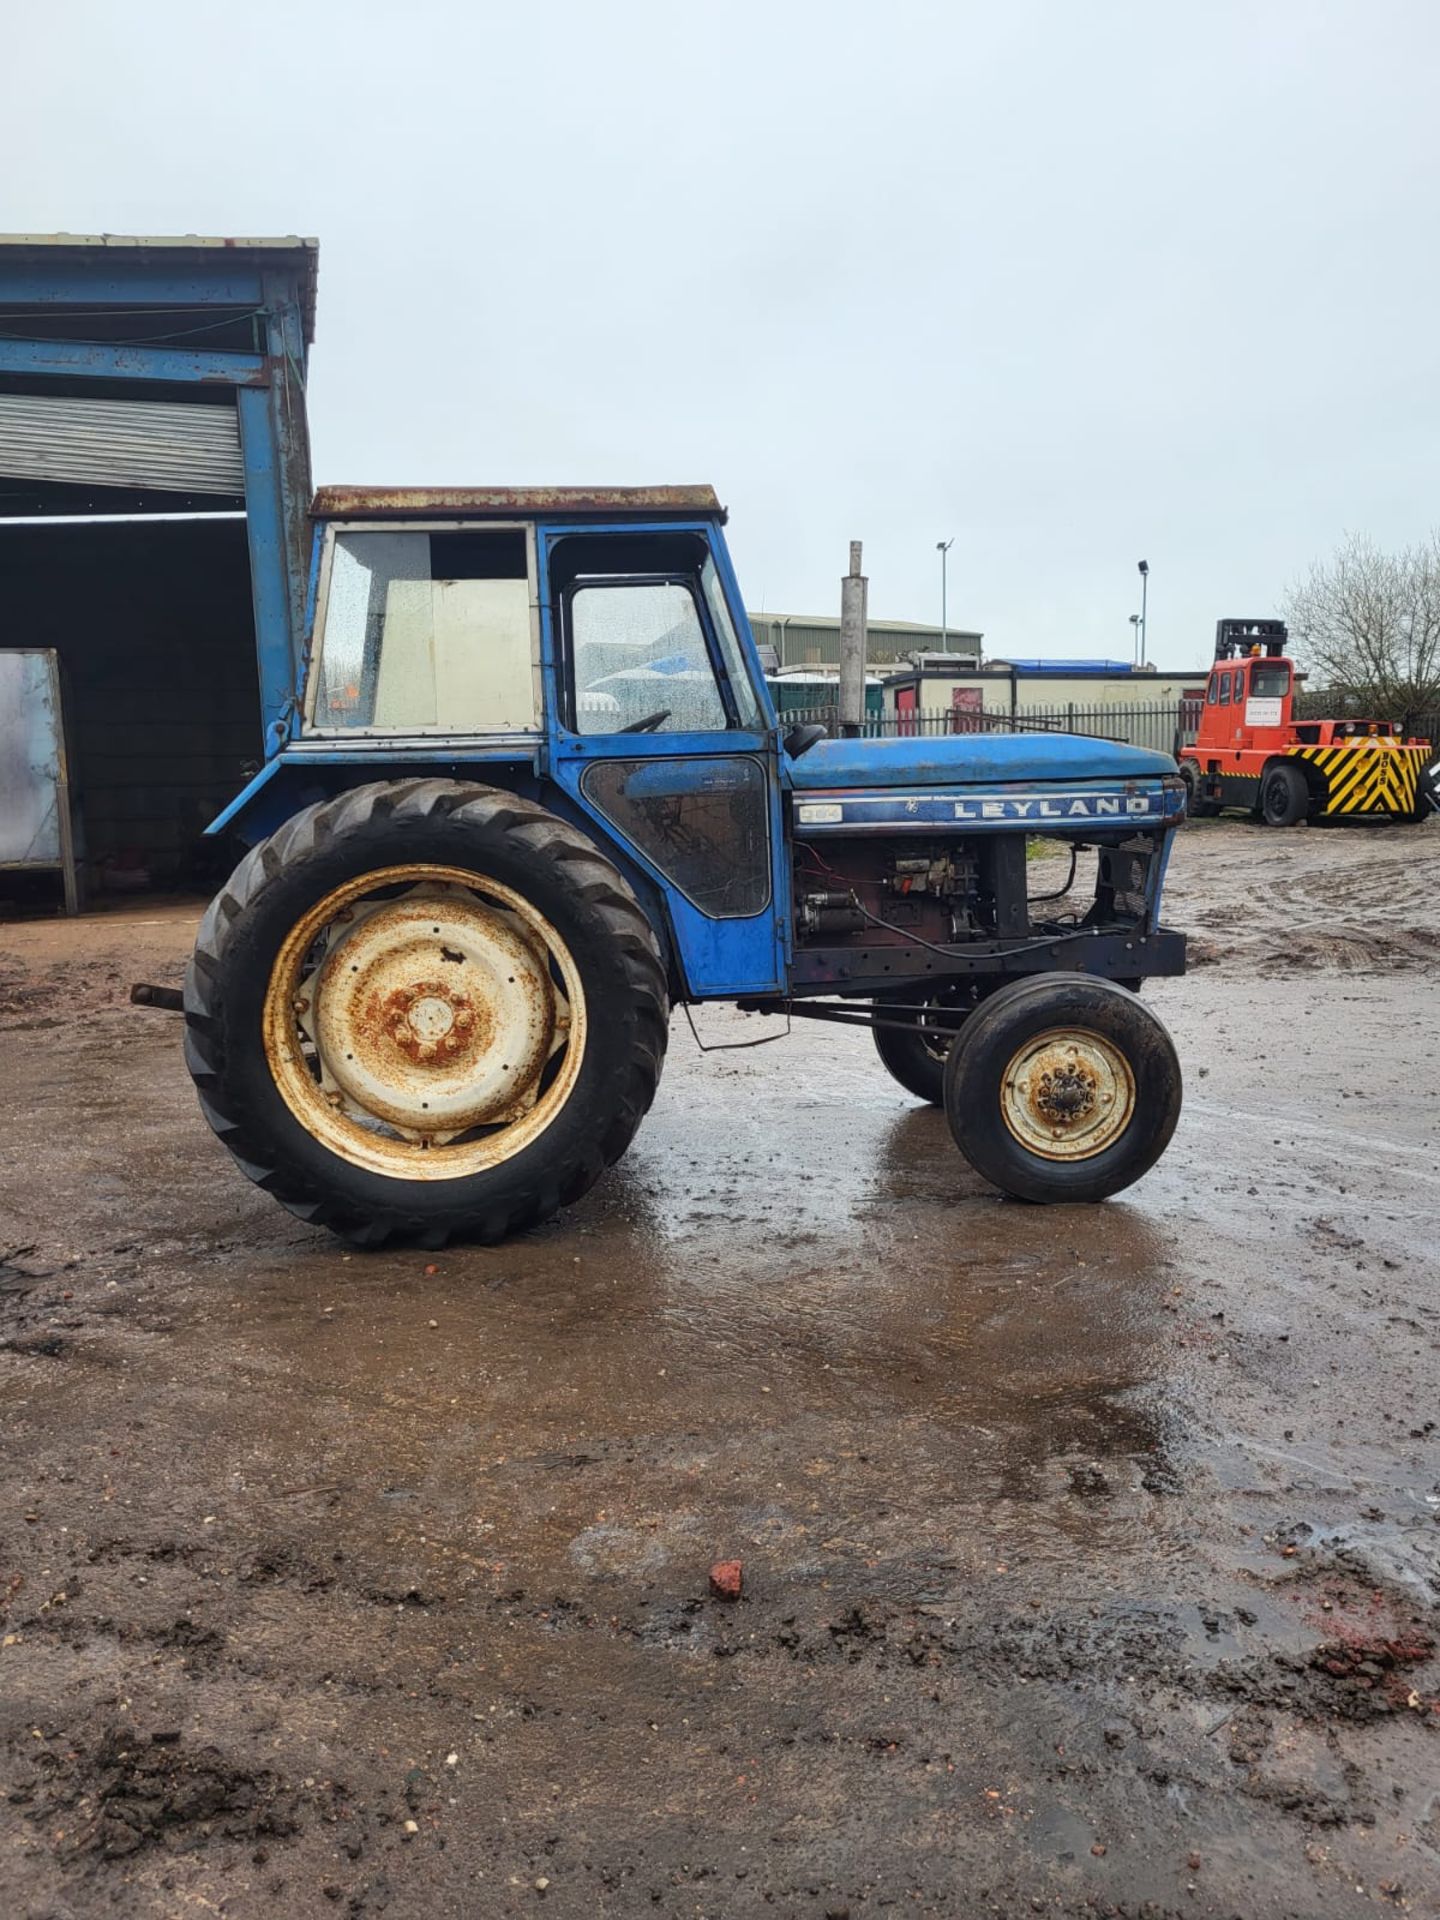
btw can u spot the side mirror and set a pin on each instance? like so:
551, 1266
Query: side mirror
800, 739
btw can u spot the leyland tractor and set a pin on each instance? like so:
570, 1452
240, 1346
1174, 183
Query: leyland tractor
1250, 751
531, 793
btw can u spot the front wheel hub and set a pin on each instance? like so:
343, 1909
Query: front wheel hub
1067, 1094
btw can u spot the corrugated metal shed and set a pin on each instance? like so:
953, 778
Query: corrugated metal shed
121, 443
176, 250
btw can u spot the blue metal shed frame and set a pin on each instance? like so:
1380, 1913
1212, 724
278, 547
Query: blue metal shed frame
105, 277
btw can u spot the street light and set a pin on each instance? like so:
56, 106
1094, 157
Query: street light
942, 547
1135, 638
1144, 587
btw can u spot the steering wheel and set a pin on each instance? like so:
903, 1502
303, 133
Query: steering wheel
649, 723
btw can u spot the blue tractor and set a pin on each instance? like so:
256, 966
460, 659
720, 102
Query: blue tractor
531, 792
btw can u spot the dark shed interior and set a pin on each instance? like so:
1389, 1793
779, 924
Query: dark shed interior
152, 622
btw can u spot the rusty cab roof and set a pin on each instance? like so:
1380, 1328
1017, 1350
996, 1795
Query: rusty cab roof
514, 503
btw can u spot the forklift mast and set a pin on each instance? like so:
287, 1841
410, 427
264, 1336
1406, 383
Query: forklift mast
1234, 637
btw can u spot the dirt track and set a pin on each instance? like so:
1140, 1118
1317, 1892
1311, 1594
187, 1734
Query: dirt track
1092, 1557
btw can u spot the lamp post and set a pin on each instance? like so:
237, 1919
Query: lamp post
1144, 588
942, 547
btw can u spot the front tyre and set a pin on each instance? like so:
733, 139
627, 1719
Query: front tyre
424, 1010
1062, 1088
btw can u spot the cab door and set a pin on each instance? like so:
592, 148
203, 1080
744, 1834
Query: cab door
659, 727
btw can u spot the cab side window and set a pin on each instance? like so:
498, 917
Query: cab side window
1212, 692
1224, 689
640, 659
646, 642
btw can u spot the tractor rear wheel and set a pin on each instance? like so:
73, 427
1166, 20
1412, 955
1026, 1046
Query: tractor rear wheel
1062, 1087
917, 1058
1284, 796
425, 1009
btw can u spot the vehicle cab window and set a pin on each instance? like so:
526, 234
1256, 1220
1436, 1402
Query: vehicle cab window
424, 630
640, 659
1212, 692
1224, 689
647, 639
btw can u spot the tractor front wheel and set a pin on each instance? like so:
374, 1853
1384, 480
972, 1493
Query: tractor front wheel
1062, 1087
1284, 796
424, 1010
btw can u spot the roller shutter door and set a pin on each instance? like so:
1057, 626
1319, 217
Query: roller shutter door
121, 443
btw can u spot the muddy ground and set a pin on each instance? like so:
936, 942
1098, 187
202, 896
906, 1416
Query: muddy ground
1090, 1556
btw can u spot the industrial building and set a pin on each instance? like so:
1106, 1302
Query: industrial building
154, 484
813, 640
1009, 686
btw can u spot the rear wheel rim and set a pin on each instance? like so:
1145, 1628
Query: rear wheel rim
424, 1023
1067, 1094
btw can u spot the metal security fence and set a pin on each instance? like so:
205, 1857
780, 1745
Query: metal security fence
1154, 726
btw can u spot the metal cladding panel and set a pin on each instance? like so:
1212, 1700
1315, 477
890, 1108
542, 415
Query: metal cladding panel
121, 443
132, 269
30, 760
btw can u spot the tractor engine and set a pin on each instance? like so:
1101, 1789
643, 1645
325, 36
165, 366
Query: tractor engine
865, 891
925, 890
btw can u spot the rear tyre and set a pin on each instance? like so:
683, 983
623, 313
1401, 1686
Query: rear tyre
1062, 1088
1284, 796
915, 1058
425, 1010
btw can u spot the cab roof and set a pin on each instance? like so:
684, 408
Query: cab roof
510, 503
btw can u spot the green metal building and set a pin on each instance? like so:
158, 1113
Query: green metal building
813, 640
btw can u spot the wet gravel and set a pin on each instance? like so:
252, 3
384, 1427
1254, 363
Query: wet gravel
1091, 1556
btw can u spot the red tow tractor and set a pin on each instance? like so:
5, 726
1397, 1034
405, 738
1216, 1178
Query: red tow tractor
1250, 751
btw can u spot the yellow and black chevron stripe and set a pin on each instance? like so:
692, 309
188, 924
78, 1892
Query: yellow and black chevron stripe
1368, 775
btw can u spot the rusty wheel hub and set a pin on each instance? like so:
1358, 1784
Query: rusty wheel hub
1068, 1094
434, 1015
443, 1023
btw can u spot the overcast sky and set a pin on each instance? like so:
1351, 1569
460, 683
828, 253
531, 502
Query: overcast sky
1074, 283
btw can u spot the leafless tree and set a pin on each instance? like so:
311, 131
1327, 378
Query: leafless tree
1366, 625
